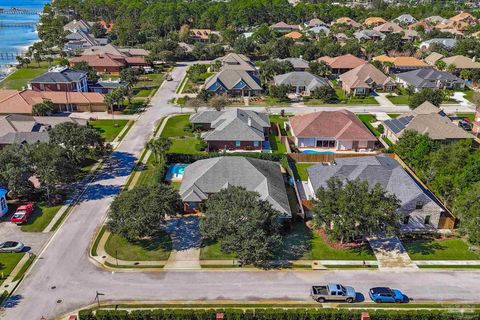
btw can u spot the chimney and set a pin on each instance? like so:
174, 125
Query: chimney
365, 316
249, 121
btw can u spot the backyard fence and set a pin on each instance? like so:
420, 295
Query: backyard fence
330, 157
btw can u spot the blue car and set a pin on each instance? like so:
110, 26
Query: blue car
383, 294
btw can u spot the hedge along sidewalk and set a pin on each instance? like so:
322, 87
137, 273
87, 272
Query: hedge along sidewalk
100, 256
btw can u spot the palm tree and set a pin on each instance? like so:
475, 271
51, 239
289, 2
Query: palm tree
159, 147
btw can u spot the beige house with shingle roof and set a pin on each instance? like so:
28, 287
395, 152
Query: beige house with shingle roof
365, 79
425, 119
462, 62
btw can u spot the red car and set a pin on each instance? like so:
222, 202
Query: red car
23, 212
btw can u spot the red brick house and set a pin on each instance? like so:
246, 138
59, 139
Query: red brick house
60, 79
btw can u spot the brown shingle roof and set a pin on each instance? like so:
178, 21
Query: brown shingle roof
342, 125
359, 76
347, 61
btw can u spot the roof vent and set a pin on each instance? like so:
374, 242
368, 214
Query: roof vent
249, 121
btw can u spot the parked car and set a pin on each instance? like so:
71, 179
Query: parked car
384, 294
23, 212
168, 77
11, 246
464, 125
333, 292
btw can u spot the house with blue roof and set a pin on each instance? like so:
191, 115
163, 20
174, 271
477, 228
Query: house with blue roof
3, 201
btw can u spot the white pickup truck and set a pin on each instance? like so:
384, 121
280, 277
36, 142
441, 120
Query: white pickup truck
333, 292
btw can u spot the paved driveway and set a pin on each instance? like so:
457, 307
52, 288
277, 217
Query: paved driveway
34, 241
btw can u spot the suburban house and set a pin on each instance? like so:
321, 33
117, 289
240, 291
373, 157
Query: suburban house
105, 86
462, 62
294, 35
347, 21
22, 102
236, 61
365, 79
284, 27
24, 129
447, 43
425, 119
368, 34
421, 24
60, 78
201, 35
342, 64
234, 83
374, 21
335, 130
80, 40
78, 25
315, 22
116, 51
298, 64
205, 177
3, 201
460, 22
233, 129
435, 20
388, 27
476, 123
301, 82
430, 78
401, 64
417, 210
405, 19
319, 30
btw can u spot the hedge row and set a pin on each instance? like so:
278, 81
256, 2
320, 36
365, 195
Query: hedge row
190, 158
273, 314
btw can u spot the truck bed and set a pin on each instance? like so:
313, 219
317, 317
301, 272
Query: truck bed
320, 290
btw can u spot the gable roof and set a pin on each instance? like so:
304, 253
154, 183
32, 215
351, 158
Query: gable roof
402, 61
229, 78
428, 119
389, 27
374, 20
232, 125
433, 57
406, 18
236, 61
295, 35
364, 76
379, 169
368, 34
204, 177
283, 25
347, 61
300, 78
341, 125
315, 22
347, 21
297, 63
428, 77
75, 25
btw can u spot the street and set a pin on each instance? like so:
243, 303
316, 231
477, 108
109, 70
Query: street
64, 279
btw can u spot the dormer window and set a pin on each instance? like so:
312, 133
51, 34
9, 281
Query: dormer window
419, 205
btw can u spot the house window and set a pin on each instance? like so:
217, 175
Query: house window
42, 86
427, 219
419, 205
58, 86
255, 143
406, 219
237, 143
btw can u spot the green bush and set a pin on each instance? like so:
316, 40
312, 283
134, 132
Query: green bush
273, 314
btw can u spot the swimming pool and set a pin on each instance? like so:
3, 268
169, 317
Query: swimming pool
176, 171
317, 152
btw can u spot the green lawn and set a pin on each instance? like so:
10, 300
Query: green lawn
40, 219
356, 100
301, 170
149, 176
450, 249
367, 119
156, 249
276, 144
212, 252
143, 93
469, 95
394, 115
186, 146
401, 99
278, 119
470, 116
8, 261
175, 126
109, 129
20, 78
155, 80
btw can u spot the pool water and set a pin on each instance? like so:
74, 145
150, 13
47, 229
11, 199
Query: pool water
176, 171
317, 152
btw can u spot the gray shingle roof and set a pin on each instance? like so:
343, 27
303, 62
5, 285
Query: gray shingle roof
208, 176
374, 169
65, 76
428, 78
301, 78
229, 78
232, 125
24, 137
297, 63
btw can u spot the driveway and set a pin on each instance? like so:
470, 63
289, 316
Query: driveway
33, 241
186, 241
390, 254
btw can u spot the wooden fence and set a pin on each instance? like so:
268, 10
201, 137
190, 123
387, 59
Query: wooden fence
324, 157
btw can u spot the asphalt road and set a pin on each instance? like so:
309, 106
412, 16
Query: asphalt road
63, 278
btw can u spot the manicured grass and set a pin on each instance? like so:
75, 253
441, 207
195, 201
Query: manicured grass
470, 116
276, 144
355, 100
367, 119
8, 261
24, 268
149, 176
212, 252
394, 115
175, 127
143, 93
109, 129
387, 141
449, 249
19, 79
40, 219
278, 119
155, 249
156, 80
401, 99
186, 146
274, 101
469, 95
301, 170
